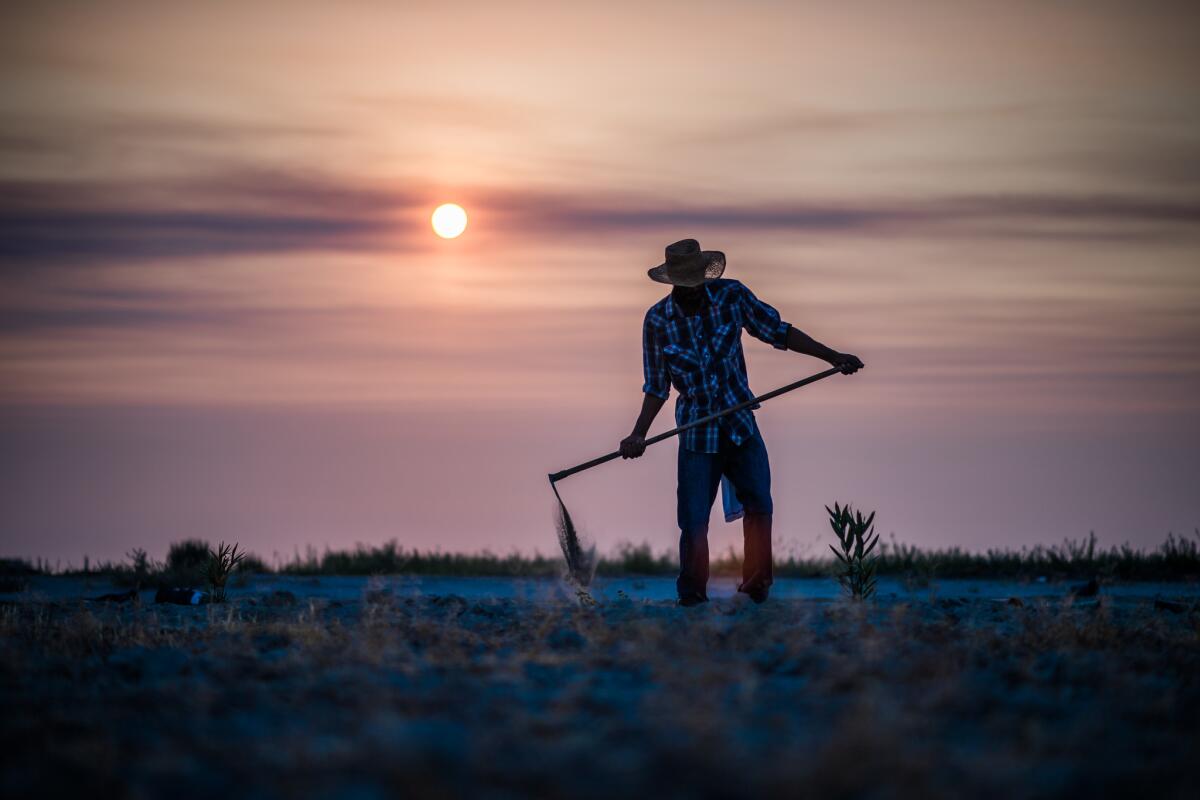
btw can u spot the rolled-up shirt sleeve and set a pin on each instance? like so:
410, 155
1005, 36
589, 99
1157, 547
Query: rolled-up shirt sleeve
654, 365
761, 320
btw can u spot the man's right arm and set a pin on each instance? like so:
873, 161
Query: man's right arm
657, 387
634, 444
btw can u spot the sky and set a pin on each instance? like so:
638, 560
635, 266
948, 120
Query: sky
224, 314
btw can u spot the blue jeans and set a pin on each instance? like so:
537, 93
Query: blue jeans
748, 472
745, 466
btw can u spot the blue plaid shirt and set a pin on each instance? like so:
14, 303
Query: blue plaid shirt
701, 356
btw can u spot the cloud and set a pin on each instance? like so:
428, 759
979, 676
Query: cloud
228, 187
457, 110
1086, 208
753, 129
91, 236
1067, 215
42, 320
46, 223
69, 136
252, 211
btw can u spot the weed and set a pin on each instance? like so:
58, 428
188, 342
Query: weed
221, 563
854, 533
141, 566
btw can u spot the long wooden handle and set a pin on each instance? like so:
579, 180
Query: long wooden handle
595, 462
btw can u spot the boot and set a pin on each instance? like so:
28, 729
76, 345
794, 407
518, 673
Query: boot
693, 566
756, 565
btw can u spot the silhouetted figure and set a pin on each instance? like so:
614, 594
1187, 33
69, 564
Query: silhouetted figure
691, 339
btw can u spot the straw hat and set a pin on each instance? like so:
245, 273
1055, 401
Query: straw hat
688, 265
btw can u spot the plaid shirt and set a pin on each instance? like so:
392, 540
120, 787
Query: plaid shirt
701, 356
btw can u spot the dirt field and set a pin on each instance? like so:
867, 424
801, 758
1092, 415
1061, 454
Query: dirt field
393, 693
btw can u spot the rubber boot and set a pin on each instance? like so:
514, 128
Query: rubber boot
692, 583
756, 564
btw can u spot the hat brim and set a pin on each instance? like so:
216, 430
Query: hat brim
707, 266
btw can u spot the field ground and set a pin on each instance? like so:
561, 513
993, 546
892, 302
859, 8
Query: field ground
351, 687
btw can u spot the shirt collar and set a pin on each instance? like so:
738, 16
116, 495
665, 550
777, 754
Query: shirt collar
673, 307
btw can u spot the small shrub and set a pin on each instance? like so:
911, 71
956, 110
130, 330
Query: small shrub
631, 559
139, 570
10, 584
187, 562
252, 564
17, 567
854, 533
14, 574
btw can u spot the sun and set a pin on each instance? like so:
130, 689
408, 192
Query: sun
449, 220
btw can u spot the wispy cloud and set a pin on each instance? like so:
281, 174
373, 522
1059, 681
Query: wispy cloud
258, 211
81, 237
63, 134
232, 212
751, 130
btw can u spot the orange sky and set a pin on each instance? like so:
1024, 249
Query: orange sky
225, 314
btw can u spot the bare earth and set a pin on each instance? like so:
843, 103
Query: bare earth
372, 689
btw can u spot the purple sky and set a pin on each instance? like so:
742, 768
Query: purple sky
223, 312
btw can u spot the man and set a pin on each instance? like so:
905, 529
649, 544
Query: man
691, 339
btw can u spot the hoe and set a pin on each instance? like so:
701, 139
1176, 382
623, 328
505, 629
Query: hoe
579, 561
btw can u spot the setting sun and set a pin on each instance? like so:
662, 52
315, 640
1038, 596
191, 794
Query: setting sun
449, 220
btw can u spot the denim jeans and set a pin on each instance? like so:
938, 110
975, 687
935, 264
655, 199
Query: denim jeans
745, 465
747, 469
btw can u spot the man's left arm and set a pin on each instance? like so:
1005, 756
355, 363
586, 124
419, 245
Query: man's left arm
801, 342
763, 322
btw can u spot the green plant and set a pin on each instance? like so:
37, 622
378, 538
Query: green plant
221, 562
854, 534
